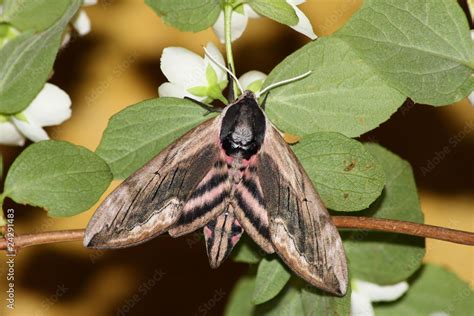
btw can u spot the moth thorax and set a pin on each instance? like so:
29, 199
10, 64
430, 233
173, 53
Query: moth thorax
243, 128
241, 137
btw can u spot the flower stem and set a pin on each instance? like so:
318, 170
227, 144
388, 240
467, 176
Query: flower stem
228, 40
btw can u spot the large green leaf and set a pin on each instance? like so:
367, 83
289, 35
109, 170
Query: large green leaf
278, 10
187, 15
342, 94
26, 62
240, 299
422, 48
61, 177
35, 15
272, 276
138, 133
287, 303
316, 302
386, 258
346, 176
434, 291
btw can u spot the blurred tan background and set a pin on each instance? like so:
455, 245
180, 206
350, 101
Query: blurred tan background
117, 65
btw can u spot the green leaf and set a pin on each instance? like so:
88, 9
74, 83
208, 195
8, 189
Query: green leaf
386, 258
35, 15
26, 62
287, 303
342, 94
435, 291
187, 15
272, 276
421, 48
246, 251
317, 302
138, 133
240, 299
61, 177
347, 177
278, 10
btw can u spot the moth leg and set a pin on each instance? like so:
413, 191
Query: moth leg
209, 109
230, 93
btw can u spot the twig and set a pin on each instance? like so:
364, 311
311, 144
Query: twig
367, 223
407, 228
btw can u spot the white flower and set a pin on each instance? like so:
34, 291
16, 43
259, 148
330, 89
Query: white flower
190, 75
81, 22
52, 106
364, 293
252, 80
242, 14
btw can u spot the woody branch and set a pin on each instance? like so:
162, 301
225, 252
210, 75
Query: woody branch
352, 222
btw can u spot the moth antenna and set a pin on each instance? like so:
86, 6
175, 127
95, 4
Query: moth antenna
224, 68
279, 83
206, 107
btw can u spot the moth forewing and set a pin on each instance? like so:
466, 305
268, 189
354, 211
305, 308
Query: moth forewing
301, 229
150, 201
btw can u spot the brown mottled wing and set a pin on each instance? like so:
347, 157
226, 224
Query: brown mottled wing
206, 201
151, 200
301, 229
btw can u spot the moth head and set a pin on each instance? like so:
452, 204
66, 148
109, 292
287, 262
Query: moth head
243, 127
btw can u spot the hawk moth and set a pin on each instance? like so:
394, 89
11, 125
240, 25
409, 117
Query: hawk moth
233, 173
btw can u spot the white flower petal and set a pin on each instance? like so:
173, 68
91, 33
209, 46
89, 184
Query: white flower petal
52, 106
183, 67
248, 11
250, 77
380, 293
89, 2
66, 39
217, 55
81, 23
168, 89
361, 305
9, 135
238, 25
304, 25
218, 27
471, 98
30, 130
472, 34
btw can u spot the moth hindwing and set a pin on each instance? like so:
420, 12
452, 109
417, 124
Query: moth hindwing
230, 174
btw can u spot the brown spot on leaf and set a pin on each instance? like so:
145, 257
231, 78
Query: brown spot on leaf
346, 195
350, 166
